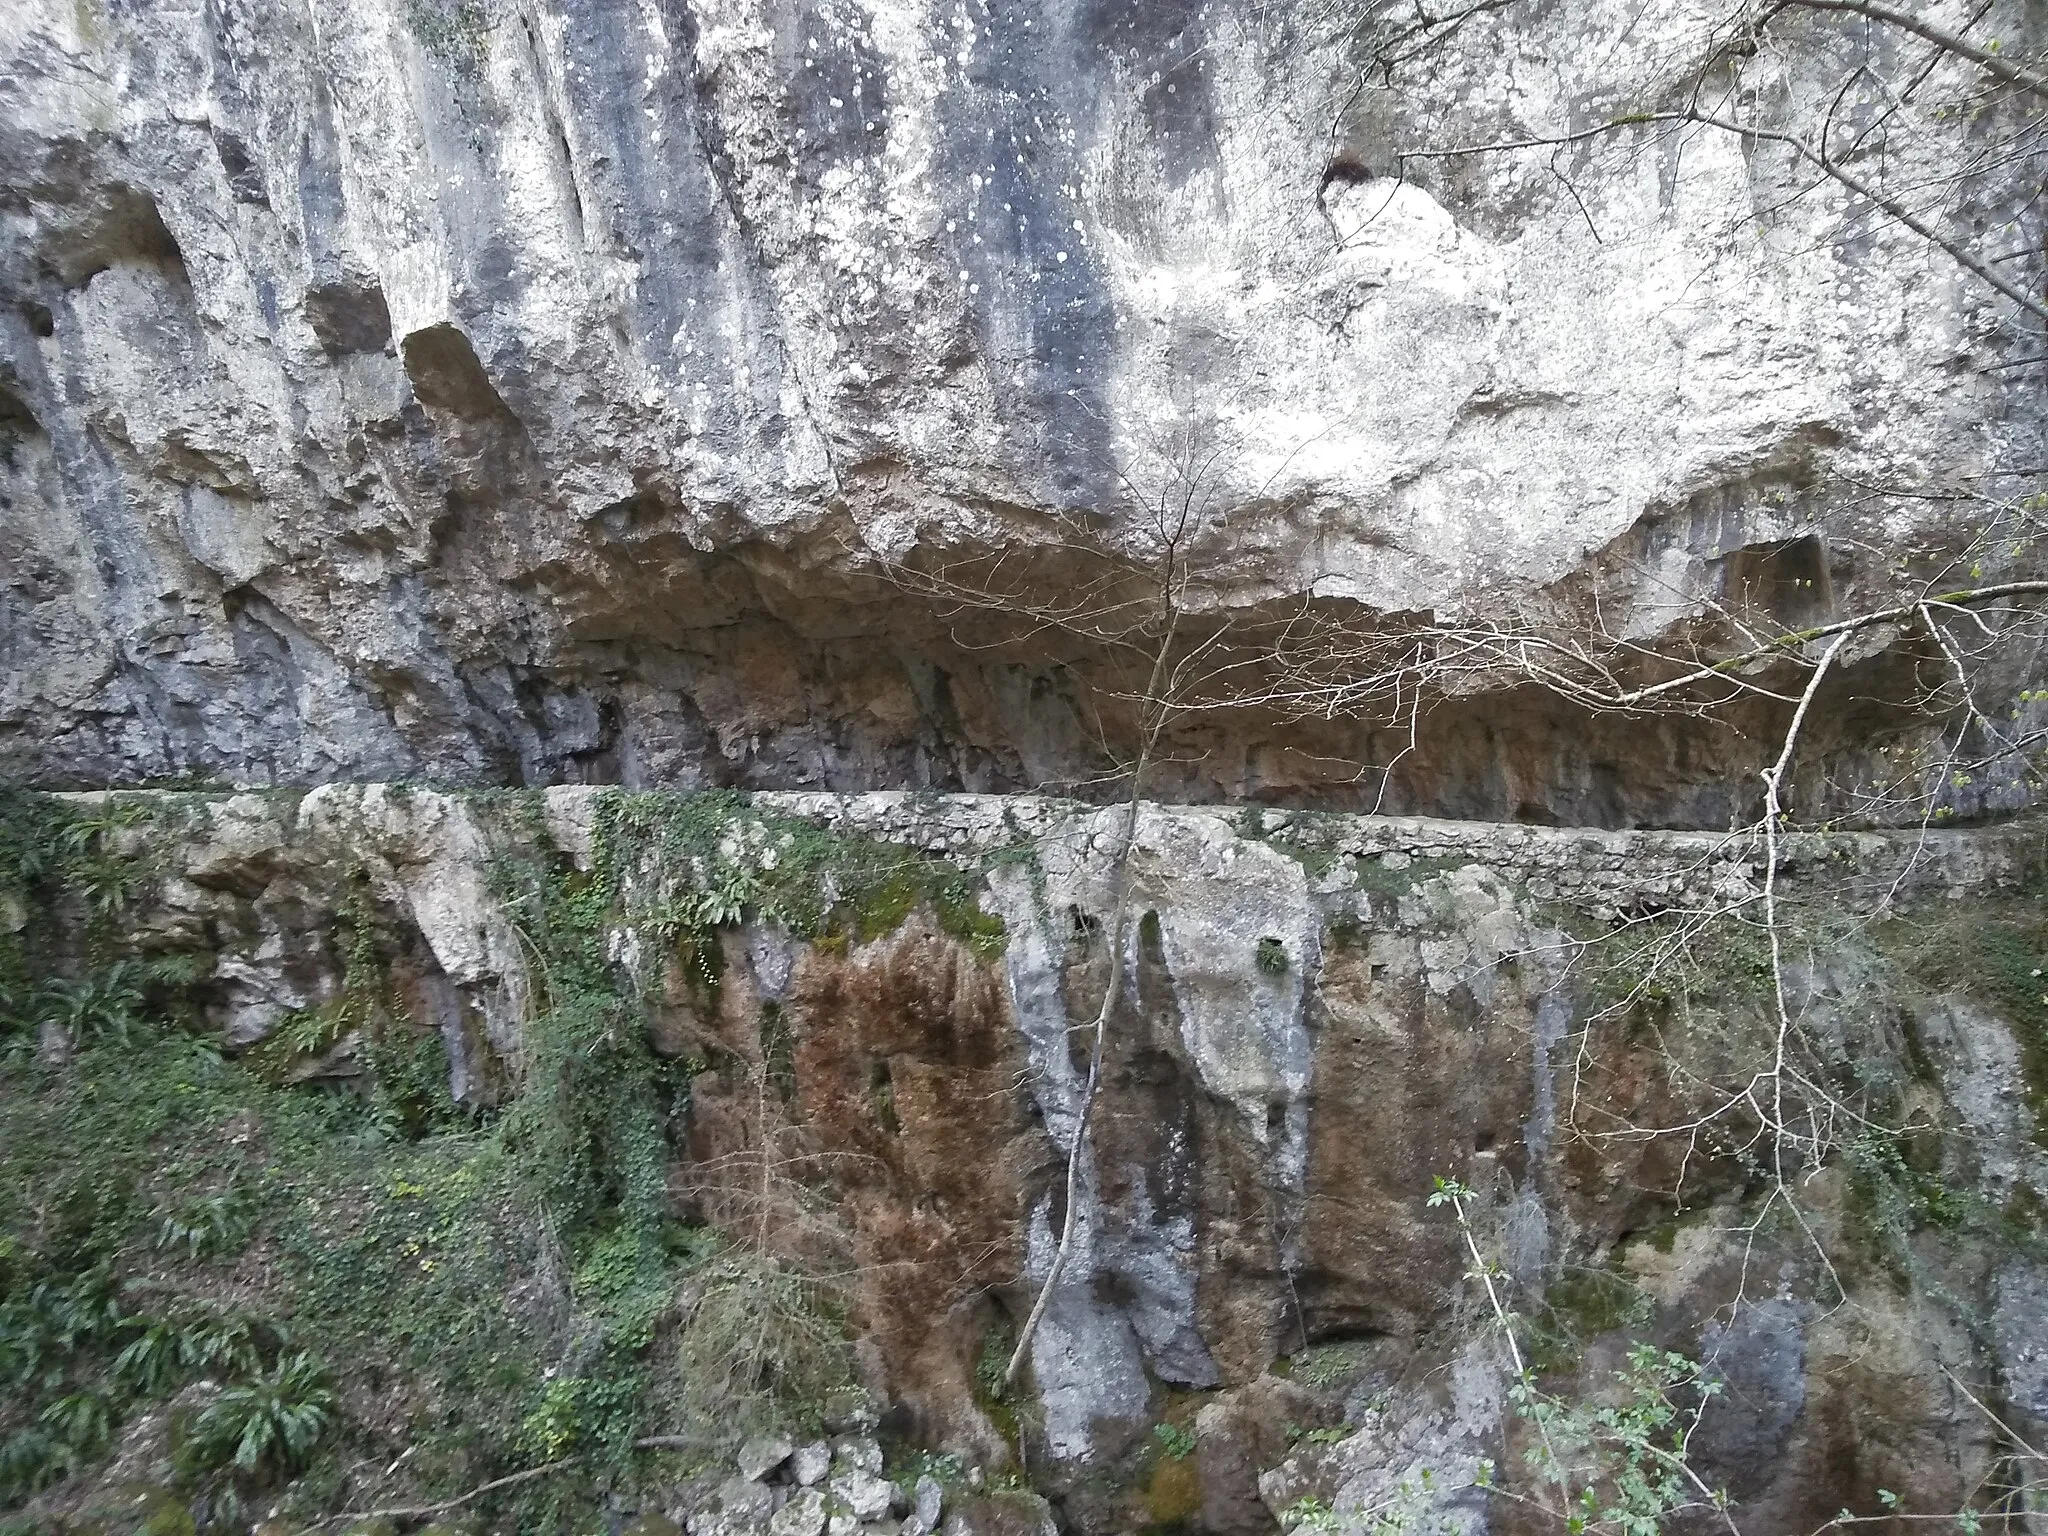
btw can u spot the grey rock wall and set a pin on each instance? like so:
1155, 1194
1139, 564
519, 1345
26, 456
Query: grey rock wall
1257, 1176
504, 390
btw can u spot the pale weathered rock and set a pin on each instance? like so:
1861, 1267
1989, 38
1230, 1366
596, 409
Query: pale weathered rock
1001, 1514
1420, 1457
809, 1463
389, 394
861, 1453
763, 1455
927, 1504
849, 1410
726, 1522
803, 1515
866, 1496
741, 1507
2020, 1325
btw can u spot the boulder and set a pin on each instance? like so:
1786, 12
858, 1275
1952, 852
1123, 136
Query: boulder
740, 1506
803, 1515
808, 1464
859, 1451
762, 1455
1008, 1513
866, 1496
1237, 1436
927, 1504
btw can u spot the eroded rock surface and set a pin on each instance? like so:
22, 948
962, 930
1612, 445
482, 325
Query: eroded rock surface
1254, 1202
511, 393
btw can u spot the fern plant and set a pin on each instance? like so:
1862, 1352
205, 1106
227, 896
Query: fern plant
266, 1426
41, 1331
154, 1360
83, 1421
97, 1009
165, 1351
209, 1226
30, 1460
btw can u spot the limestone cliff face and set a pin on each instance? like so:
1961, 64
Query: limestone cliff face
1316, 1018
506, 391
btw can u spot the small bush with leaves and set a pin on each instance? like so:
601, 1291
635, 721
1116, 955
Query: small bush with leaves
1272, 956
1309, 1513
83, 1421
758, 1342
153, 1361
206, 1227
102, 1007
193, 1339
265, 1427
41, 1331
30, 1460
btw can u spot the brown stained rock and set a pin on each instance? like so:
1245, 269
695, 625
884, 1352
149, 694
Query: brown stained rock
1410, 1084
1238, 1435
1624, 1074
891, 1086
1001, 1514
676, 1012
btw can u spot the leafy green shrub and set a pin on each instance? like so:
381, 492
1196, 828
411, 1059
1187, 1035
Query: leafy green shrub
992, 1365
30, 1460
267, 1426
586, 1131
758, 1342
104, 1007
572, 1414
1272, 956
1308, 1513
153, 1361
196, 1338
54, 854
208, 1226
83, 1421
41, 1331
624, 1280
1176, 1441
553, 1426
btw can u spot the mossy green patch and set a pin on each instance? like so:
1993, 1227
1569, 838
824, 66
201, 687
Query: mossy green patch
1173, 1493
1993, 950
675, 863
1378, 878
1579, 1305
1330, 1365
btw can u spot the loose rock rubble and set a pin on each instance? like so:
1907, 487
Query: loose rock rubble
839, 1488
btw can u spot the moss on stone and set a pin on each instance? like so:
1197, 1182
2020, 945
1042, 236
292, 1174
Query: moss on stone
1173, 1493
1377, 878
1580, 1305
1993, 950
703, 860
